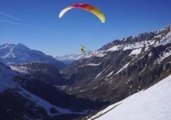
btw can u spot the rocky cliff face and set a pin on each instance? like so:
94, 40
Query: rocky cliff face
122, 67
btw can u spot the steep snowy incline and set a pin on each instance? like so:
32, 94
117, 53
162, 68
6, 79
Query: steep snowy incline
150, 104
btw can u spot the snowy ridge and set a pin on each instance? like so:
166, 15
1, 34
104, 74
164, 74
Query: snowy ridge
151, 104
136, 45
165, 40
159, 39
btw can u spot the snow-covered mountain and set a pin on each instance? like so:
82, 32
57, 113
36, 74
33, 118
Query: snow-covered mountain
19, 54
122, 67
149, 104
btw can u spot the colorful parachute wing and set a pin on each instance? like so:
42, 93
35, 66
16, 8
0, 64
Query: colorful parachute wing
86, 7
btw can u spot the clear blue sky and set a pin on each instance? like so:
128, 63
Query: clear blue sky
35, 23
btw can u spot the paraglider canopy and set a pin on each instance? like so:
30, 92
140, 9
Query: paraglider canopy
86, 7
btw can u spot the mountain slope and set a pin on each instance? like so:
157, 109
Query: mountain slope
122, 68
9, 89
19, 103
149, 104
19, 54
36, 96
47, 73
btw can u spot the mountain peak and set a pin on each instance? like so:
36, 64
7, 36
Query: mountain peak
21, 45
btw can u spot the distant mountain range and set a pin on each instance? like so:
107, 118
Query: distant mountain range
68, 59
20, 54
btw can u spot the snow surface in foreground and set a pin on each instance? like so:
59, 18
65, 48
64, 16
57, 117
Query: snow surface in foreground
151, 104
